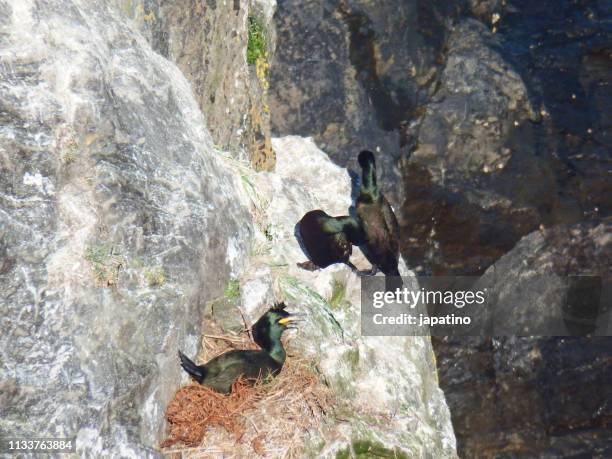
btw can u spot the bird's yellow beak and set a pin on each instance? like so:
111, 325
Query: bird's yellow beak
287, 320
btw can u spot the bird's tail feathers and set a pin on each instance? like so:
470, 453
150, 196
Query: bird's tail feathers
197, 372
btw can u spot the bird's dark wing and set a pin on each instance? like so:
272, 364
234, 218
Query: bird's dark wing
227, 368
327, 240
392, 225
347, 225
382, 235
391, 257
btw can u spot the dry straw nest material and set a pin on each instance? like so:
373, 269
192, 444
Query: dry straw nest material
267, 419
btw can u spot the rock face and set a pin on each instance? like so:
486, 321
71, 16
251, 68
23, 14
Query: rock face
559, 287
536, 397
110, 236
514, 137
208, 41
459, 178
354, 73
121, 221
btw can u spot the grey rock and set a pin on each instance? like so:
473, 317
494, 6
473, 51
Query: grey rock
110, 192
208, 41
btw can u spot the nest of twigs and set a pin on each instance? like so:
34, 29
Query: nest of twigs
268, 418
195, 408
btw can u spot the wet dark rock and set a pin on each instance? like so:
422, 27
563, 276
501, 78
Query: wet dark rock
502, 128
516, 135
495, 114
551, 283
535, 396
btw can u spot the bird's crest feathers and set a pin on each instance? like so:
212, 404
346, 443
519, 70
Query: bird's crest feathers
278, 306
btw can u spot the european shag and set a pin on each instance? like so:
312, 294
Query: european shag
222, 371
377, 221
327, 240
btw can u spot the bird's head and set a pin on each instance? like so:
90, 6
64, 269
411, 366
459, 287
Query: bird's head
272, 324
366, 158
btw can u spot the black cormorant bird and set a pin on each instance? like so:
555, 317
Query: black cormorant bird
222, 371
327, 240
377, 221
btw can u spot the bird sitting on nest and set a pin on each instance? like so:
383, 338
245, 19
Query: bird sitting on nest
222, 371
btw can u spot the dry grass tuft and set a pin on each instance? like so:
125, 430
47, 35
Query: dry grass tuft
267, 419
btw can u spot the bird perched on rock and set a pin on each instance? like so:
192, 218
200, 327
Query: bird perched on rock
377, 221
328, 240
222, 371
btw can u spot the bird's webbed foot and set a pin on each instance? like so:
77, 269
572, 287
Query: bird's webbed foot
365, 272
308, 266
